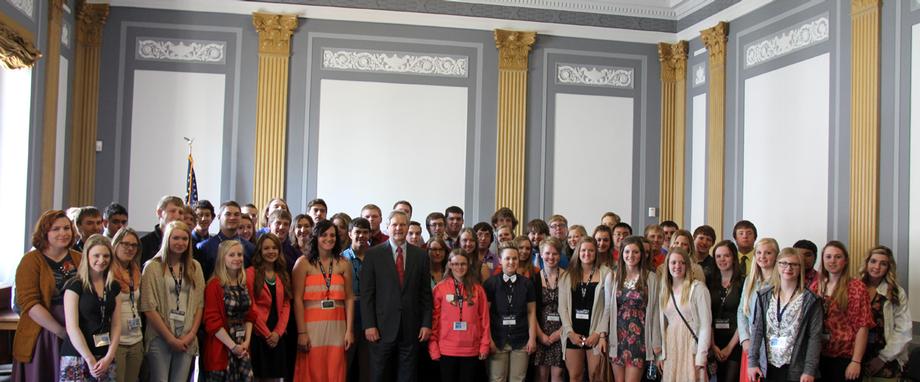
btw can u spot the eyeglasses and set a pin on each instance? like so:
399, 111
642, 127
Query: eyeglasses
786, 264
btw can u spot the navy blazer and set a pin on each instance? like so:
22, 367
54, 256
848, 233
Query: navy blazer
387, 306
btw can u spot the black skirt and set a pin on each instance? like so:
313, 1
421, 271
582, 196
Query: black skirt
268, 362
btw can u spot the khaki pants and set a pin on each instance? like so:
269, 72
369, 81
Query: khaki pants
508, 365
129, 359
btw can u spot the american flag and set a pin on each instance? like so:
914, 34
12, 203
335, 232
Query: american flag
191, 184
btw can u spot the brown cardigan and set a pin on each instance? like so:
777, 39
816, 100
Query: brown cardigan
34, 286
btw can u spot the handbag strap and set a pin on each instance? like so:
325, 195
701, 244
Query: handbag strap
682, 318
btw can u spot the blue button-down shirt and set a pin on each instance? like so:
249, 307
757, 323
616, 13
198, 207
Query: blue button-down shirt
207, 251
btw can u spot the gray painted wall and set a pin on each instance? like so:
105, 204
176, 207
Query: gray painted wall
306, 73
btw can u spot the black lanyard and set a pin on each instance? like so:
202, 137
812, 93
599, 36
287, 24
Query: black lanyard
510, 295
546, 279
131, 298
178, 282
327, 279
584, 286
102, 303
458, 297
781, 311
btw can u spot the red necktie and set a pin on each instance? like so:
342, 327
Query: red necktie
399, 265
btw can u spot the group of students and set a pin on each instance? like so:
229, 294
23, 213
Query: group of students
315, 299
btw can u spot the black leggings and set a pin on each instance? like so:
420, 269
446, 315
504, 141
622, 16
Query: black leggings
834, 369
728, 371
458, 369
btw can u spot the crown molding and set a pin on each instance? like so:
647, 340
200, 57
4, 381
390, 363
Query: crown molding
662, 9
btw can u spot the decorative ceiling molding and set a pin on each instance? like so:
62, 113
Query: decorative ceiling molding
376, 61
798, 37
592, 75
27, 7
657, 9
179, 50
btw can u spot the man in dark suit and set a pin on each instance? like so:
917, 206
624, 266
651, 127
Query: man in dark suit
395, 302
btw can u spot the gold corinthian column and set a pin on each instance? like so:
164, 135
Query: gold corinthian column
715, 39
52, 78
673, 58
90, 20
275, 32
513, 51
864, 133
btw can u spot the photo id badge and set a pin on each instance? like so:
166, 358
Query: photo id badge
328, 304
780, 342
722, 323
177, 315
459, 326
449, 298
134, 324
582, 314
101, 339
508, 320
554, 317
238, 334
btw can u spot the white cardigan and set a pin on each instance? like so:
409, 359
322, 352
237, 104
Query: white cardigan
699, 316
598, 311
898, 326
652, 335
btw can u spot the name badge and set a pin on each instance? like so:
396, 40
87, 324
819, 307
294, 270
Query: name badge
552, 317
582, 314
238, 334
101, 339
134, 324
449, 298
177, 315
459, 326
722, 323
509, 320
779, 343
328, 304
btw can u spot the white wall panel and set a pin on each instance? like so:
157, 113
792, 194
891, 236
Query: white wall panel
15, 96
61, 136
786, 143
167, 107
592, 158
913, 274
698, 163
383, 142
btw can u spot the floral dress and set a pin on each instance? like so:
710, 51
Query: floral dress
237, 302
631, 304
549, 321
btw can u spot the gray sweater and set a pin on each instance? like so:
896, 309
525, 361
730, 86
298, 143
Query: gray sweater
807, 349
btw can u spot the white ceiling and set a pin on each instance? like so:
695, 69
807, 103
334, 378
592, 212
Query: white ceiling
660, 9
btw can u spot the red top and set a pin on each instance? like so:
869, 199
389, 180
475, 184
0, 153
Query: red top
380, 237
260, 306
216, 354
842, 325
458, 343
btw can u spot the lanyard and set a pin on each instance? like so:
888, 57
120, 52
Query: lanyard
102, 303
178, 282
781, 311
510, 295
326, 279
458, 297
131, 297
584, 286
546, 279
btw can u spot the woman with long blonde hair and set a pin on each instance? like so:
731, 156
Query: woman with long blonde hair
886, 352
92, 314
847, 317
765, 251
172, 299
786, 334
685, 320
226, 321
127, 272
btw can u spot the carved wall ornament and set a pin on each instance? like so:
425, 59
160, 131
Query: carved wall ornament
15, 51
27, 7
699, 74
90, 20
592, 75
513, 48
158, 49
395, 62
798, 37
275, 32
65, 34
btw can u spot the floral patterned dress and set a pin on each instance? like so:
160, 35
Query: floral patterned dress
549, 355
631, 304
